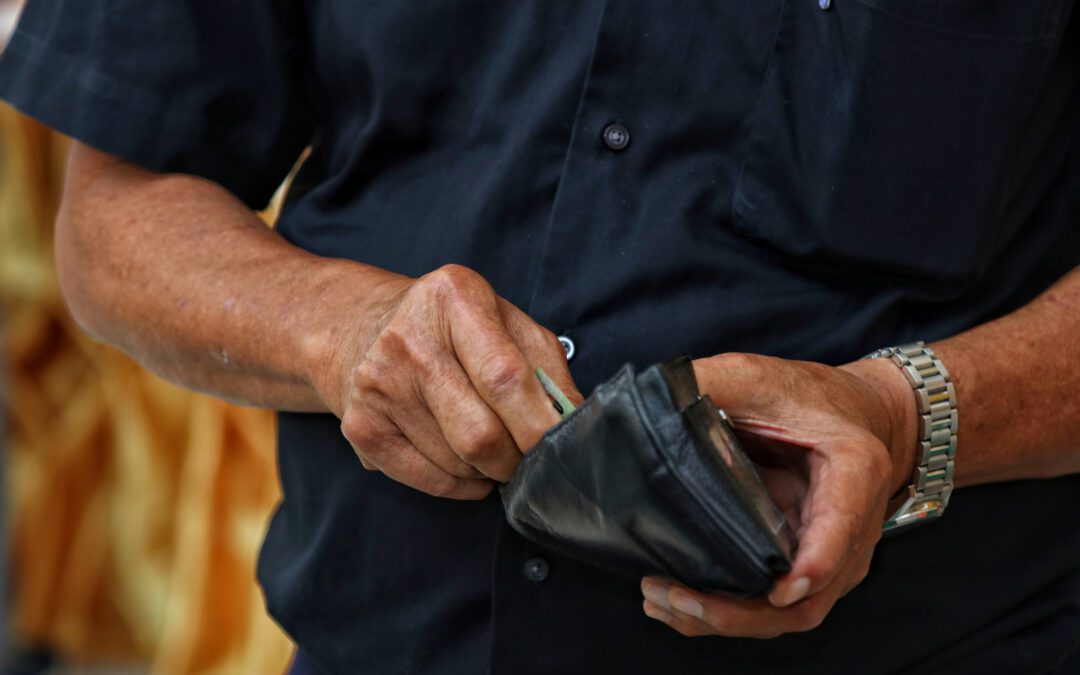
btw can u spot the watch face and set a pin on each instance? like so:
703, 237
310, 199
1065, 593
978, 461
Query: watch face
918, 510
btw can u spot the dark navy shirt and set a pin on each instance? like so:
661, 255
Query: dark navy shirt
784, 178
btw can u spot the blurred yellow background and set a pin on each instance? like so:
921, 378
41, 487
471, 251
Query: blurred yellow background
135, 509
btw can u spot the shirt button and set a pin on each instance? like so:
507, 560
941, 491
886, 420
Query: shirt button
568, 346
616, 136
536, 569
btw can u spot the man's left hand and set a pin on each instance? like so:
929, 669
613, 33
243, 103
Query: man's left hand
832, 445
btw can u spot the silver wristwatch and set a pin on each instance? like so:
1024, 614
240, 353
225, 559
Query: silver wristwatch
935, 400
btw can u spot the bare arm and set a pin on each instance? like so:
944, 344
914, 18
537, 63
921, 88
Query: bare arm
183, 276
1018, 390
432, 377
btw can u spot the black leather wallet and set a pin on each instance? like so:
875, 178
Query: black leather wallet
646, 477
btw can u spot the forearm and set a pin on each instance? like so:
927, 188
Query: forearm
1017, 385
181, 275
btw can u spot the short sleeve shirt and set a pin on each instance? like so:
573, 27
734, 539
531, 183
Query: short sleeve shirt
805, 179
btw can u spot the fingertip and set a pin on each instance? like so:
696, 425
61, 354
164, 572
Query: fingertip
485, 488
787, 593
684, 603
473, 489
655, 592
656, 613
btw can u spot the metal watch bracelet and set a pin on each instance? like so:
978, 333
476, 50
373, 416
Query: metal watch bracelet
935, 402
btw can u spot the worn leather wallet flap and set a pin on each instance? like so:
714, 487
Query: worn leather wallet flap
647, 478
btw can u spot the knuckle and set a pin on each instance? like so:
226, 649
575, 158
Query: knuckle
503, 374
441, 486
357, 429
481, 441
862, 572
398, 340
823, 565
393, 373
719, 626
844, 533
411, 350
853, 531
368, 375
810, 615
720, 623
552, 341
483, 491
556, 349
739, 360
850, 524
453, 281
395, 341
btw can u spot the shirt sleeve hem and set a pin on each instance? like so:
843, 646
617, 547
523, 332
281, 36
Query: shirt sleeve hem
118, 118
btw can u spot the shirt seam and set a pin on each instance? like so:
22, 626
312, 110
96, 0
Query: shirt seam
550, 224
755, 120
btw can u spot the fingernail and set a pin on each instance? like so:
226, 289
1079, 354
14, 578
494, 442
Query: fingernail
655, 593
654, 612
688, 605
796, 591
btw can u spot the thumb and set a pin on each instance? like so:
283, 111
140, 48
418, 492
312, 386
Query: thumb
840, 505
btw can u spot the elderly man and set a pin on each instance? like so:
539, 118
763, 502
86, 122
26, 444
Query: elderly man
776, 188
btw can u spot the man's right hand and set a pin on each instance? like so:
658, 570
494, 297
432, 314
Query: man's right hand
437, 389
431, 377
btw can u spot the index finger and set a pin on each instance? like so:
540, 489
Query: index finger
542, 348
503, 377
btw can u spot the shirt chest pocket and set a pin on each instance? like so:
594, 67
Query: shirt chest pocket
884, 131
